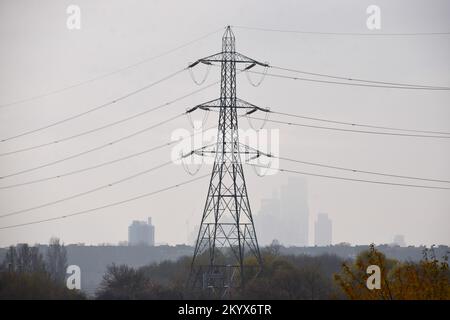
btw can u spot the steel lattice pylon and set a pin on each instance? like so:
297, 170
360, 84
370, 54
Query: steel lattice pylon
227, 221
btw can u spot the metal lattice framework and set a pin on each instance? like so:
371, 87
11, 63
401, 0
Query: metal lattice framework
227, 221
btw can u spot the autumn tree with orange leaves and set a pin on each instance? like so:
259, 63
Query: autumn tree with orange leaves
428, 279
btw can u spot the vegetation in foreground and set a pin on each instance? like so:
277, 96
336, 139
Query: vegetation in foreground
26, 274
428, 279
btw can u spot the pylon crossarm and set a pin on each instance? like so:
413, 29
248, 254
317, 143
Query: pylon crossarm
201, 149
206, 152
250, 150
245, 150
205, 106
224, 57
216, 103
247, 105
244, 59
240, 104
193, 64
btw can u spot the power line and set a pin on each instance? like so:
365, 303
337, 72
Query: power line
351, 130
87, 168
92, 149
78, 115
105, 206
344, 33
110, 73
354, 124
349, 83
107, 125
351, 179
100, 165
358, 79
360, 171
77, 195
283, 170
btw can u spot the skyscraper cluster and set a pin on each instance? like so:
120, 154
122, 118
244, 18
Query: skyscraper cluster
284, 217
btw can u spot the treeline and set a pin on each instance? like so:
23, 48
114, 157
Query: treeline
299, 277
283, 277
26, 273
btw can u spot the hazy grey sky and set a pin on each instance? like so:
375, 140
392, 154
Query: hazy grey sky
39, 54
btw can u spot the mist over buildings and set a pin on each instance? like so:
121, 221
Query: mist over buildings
42, 56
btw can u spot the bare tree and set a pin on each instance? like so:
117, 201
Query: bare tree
10, 262
28, 259
56, 260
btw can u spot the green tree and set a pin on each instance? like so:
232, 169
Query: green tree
24, 259
35, 286
288, 277
126, 283
10, 261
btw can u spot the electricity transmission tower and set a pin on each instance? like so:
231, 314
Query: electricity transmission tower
227, 225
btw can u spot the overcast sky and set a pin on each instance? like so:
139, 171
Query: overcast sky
39, 54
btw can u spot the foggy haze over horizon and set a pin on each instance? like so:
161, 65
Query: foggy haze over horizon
41, 55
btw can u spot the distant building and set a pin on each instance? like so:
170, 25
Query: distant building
268, 221
399, 240
323, 230
284, 218
141, 233
294, 213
